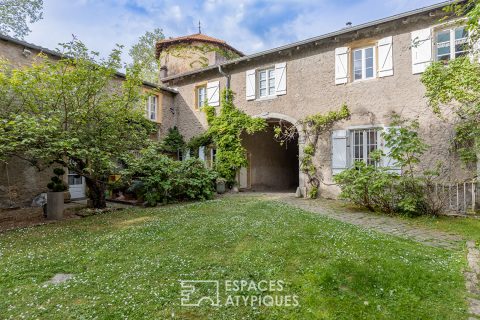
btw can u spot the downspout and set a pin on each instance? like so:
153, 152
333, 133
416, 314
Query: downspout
226, 75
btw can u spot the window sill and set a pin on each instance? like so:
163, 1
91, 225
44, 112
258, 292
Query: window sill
364, 80
266, 98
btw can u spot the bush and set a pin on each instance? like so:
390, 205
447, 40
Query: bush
159, 179
56, 183
381, 188
194, 181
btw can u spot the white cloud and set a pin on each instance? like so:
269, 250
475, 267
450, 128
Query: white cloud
248, 25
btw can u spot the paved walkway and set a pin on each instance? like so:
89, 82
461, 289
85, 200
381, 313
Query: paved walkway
385, 224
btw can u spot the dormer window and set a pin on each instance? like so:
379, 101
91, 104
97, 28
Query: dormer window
451, 43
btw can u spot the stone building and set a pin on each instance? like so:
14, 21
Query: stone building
373, 68
20, 182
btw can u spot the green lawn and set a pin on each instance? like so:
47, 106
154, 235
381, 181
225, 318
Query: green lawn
468, 228
128, 265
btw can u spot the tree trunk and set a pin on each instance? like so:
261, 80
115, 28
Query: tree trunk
96, 192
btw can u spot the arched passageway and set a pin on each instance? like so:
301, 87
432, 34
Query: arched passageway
272, 166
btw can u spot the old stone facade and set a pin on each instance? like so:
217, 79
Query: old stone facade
196, 51
19, 181
319, 77
374, 69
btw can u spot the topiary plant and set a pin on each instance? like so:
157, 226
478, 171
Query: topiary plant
57, 184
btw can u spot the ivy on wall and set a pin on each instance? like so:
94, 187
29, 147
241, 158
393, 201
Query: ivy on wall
188, 51
312, 127
225, 130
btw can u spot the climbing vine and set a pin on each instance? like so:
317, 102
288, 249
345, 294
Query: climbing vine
187, 51
312, 127
225, 130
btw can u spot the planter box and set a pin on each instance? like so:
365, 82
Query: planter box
55, 205
220, 187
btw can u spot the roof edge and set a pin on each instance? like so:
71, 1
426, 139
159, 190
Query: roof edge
317, 38
59, 55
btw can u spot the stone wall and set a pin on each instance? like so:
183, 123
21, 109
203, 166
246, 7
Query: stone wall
184, 57
311, 89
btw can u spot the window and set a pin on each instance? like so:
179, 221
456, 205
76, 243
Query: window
266, 82
363, 64
152, 107
451, 43
201, 96
364, 142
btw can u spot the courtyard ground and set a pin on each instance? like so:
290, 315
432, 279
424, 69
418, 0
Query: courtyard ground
129, 264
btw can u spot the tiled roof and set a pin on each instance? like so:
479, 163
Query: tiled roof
200, 37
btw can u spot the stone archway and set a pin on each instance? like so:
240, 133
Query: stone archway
270, 165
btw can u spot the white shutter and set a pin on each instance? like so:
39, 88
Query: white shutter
339, 151
421, 50
385, 57
281, 78
213, 93
201, 153
250, 84
187, 154
386, 160
341, 65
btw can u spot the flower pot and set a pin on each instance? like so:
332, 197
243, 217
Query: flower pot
220, 187
67, 197
55, 205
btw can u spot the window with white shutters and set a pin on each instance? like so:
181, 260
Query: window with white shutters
266, 83
363, 63
364, 142
358, 144
201, 96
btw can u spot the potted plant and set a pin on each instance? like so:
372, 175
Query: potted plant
221, 182
55, 195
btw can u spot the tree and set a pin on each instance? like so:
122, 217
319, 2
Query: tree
15, 14
74, 112
143, 54
455, 87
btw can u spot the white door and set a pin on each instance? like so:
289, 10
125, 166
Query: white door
76, 185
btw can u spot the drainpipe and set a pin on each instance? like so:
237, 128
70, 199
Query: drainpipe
226, 75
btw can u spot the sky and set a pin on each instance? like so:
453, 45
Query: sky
248, 25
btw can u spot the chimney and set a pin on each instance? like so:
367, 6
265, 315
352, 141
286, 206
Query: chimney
348, 24
163, 72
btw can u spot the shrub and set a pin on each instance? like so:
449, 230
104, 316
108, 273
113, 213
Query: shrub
194, 181
56, 183
381, 188
159, 179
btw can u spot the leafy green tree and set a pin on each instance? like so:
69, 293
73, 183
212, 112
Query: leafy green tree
74, 112
16, 14
143, 54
